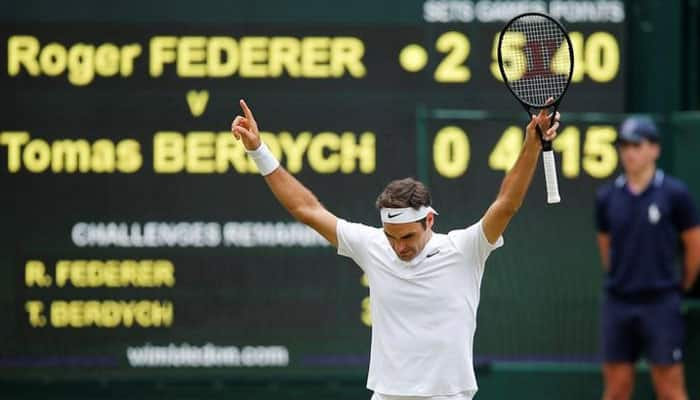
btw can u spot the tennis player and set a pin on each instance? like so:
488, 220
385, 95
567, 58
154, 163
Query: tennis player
424, 285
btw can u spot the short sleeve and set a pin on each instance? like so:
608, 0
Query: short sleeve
353, 240
684, 214
472, 242
601, 216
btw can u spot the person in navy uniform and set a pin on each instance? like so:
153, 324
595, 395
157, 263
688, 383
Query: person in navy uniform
640, 217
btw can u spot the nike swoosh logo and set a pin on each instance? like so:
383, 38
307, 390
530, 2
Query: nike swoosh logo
432, 254
390, 215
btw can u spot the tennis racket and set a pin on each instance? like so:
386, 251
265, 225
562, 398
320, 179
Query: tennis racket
536, 60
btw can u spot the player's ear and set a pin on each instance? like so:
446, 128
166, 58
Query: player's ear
429, 221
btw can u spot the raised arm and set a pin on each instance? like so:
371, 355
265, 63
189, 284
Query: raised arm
517, 181
295, 197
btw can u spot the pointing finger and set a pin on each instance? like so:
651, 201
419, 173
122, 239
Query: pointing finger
246, 111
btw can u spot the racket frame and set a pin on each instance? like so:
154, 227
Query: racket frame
533, 109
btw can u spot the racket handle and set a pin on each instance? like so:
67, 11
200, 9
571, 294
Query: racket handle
550, 177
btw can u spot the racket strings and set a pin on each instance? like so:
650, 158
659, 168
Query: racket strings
544, 70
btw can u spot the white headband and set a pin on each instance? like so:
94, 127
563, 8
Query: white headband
404, 215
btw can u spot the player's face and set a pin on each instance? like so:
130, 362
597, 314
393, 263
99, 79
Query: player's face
636, 157
408, 239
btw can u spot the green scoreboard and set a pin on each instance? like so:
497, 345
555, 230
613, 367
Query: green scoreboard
138, 240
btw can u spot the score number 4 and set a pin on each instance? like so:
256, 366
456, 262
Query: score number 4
599, 153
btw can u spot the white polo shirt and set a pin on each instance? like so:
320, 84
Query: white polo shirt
423, 310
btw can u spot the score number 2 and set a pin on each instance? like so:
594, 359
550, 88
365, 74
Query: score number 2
452, 68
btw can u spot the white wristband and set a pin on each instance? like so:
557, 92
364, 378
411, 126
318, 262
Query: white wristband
264, 159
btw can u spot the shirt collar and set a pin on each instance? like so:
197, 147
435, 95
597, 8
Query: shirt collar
659, 175
658, 178
427, 249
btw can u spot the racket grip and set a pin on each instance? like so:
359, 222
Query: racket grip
550, 177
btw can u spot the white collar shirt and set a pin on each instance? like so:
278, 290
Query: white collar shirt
423, 311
